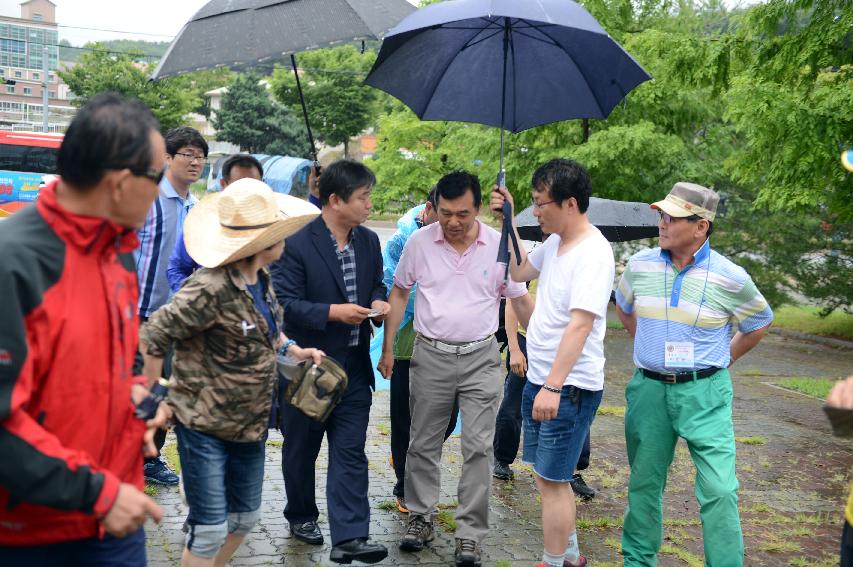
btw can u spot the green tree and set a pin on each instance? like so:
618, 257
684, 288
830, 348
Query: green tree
249, 118
339, 105
170, 100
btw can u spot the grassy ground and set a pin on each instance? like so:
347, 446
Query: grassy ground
806, 320
817, 387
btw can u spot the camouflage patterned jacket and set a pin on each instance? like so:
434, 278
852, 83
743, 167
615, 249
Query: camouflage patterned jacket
224, 367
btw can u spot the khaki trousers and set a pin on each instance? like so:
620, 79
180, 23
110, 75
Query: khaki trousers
436, 380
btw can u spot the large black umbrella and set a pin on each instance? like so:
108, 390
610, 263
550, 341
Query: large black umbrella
618, 221
243, 33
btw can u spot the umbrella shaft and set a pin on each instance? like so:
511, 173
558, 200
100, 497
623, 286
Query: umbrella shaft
313, 148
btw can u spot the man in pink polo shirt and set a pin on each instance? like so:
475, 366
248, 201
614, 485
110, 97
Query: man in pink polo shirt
460, 285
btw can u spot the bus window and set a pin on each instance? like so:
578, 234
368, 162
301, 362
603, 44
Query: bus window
27, 158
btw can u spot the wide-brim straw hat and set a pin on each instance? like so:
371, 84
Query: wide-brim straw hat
240, 221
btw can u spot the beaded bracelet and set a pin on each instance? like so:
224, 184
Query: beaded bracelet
287, 344
552, 389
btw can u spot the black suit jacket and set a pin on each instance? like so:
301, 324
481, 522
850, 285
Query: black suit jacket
308, 278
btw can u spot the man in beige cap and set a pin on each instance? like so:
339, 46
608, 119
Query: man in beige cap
678, 301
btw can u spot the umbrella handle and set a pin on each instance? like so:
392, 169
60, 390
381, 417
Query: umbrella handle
501, 180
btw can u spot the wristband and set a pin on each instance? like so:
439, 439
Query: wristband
552, 389
287, 344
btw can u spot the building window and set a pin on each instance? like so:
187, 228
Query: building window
2, 72
51, 94
28, 91
18, 74
36, 76
38, 17
51, 77
10, 89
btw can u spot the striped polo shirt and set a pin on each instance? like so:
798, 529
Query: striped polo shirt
156, 242
697, 304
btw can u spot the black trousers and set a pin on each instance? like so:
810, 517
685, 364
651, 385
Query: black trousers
401, 422
160, 434
346, 478
508, 421
847, 545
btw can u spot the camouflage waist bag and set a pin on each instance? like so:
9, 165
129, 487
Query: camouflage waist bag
313, 390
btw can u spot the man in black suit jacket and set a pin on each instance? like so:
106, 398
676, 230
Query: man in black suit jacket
329, 280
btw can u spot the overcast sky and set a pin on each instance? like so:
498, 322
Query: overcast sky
162, 17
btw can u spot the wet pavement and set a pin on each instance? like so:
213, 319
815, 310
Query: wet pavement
794, 479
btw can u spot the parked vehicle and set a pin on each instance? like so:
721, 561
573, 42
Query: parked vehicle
27, 164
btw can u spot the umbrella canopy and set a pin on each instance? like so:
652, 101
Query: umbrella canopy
514, 64
618, 221
242, 33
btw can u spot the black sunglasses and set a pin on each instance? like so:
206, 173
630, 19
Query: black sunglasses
155, 175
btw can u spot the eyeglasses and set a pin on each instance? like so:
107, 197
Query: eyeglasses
190, 157
155, 175
667, 218
538, 206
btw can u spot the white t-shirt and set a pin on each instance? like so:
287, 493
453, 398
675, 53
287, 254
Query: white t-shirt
582, 278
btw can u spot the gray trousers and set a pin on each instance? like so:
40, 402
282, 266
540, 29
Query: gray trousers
436, 379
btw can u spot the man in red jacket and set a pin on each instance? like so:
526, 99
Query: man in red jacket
70, 444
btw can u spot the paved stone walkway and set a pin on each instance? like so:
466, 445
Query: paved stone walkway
794, 480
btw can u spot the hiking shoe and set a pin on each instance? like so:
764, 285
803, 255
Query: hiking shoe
502, 471
309, 532
401, 505
418, 533
566, 563
157, 472
467, 553
580, 488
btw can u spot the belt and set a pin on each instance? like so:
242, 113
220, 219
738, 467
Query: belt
679, 377
457, 349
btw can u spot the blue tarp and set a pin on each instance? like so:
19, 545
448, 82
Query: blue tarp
285, 174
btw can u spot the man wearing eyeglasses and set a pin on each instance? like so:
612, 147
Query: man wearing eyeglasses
70, 444
186, 151
678, 301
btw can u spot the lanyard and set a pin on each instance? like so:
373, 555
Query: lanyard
701, 299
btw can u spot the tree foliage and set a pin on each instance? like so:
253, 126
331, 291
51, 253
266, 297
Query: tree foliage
170, 100
249, 118
339, 105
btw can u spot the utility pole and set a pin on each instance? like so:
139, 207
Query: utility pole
44, 91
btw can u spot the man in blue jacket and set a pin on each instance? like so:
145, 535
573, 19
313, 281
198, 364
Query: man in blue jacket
329, 282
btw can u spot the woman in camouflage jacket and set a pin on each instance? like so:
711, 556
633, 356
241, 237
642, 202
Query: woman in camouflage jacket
224, 325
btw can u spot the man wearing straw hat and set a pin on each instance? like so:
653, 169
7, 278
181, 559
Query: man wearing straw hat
225, 324
329, 282
679, 301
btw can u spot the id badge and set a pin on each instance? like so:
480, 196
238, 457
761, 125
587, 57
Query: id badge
678, 354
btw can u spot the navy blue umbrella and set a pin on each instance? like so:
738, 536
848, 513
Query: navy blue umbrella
514, 64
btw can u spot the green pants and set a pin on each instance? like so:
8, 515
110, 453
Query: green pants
657, 415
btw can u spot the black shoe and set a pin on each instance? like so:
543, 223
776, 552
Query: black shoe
467, 553
502, 471
580, 488
418, 533
359, 549
309, 532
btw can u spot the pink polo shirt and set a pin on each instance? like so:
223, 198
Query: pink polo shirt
458, 297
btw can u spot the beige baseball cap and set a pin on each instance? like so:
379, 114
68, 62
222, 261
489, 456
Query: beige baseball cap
686, 199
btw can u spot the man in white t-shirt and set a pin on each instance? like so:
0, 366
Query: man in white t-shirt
565, 344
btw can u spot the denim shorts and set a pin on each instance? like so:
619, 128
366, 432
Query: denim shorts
553, 447
220, 477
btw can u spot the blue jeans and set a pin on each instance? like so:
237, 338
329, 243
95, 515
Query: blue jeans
128, 551
220, 477
553, 447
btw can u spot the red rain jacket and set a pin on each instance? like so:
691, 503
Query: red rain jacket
68, 335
